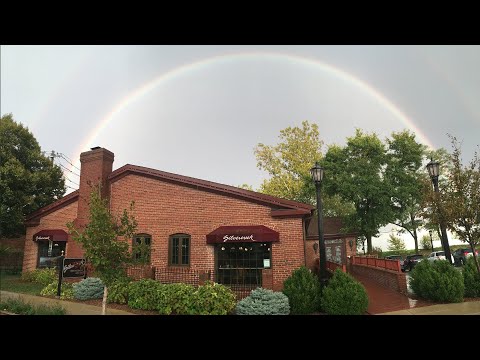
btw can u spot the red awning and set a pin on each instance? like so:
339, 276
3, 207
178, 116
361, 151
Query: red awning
254, 233
54, 235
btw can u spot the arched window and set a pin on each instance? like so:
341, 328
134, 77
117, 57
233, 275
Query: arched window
141, 248
179, 250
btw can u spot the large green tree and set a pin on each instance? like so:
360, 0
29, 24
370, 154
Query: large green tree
405, 174
28, 179
461, 199
289, 162
355, 172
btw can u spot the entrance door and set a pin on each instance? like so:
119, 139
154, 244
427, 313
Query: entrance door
241, 264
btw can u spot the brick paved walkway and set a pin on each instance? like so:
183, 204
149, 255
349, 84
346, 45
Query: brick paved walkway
382, 299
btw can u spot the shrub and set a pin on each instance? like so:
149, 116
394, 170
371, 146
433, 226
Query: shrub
303, 291
344, 295
471, 279
145, 294
438, 281
41, 276
118, 291
214, 299
178, 298
264, 302
18, 306
51, 290
89, 288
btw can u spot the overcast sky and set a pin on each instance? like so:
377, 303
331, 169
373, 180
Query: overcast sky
200, 110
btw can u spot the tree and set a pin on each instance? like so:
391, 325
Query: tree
396, 243
289, 162
99, 240
355, 173
461, 200
28, 179
406, 176
426, 243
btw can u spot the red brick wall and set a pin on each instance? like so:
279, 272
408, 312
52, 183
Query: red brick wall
390, 279
163, 209
55, 220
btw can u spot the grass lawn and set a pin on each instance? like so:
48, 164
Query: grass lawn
13, 283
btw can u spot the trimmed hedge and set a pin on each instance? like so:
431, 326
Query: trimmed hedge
145, 294
51, 290
214, 299
177, 299
41, 276
264, 302
118, 291
344, 295
471, 279
303, 291
438, 281
89, 288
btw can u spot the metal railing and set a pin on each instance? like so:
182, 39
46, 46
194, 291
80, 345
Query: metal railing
393, 265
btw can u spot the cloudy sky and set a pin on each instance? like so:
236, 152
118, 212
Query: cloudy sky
200, 110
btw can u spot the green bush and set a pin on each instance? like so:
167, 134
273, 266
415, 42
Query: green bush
438, 281
89, 288
145, 294
18, 306
264, 302
471, 279
41, 276
214, 299
177, 298
51, 290
303, 291
118, 291
344, 295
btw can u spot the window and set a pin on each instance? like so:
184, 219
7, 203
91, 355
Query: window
179, 250
141, 248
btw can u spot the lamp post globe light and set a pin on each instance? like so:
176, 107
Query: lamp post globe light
317, 176
433, 168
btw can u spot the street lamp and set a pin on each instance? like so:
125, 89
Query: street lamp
431, 241
317, 176
433, 168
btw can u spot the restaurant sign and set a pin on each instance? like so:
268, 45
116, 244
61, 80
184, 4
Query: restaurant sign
238, 238
73, 268
38, 237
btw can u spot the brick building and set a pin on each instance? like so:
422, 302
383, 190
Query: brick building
189, 226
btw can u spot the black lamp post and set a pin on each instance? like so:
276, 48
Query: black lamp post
431, 241
433, 168
317, 176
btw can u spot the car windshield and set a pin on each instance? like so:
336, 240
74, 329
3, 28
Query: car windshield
415, 256
441, 253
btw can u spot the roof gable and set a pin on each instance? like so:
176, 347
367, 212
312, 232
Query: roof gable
33, 218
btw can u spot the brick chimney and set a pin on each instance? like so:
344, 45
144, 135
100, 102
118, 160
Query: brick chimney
95, 167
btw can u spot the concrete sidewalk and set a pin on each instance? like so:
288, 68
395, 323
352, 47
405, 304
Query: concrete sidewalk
464, 308
72, 308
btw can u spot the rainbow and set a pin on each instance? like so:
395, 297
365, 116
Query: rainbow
184, 70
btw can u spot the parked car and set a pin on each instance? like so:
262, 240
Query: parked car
460, 256
396, 257
438, 255
411, 261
